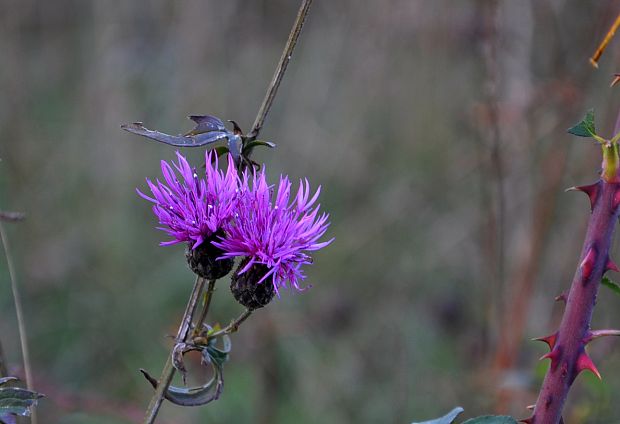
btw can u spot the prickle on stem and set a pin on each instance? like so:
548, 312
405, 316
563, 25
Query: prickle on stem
587, 265
591, 190
550, 339
584, 362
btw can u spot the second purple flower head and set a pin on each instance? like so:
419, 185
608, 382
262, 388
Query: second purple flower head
274, 236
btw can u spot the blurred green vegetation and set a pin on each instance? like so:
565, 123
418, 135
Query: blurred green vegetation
386, 105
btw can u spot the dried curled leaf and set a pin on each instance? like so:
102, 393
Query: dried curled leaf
208, 131
197, 140
208, 392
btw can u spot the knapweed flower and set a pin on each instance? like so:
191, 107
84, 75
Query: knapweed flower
194, 209
275, 238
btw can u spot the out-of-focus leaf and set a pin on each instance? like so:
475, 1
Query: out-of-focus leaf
492, 419
446, 419
585, 128
17, 401
610, 284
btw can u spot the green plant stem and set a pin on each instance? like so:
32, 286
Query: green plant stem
234, 324
272, 89
205, 309
168, 371
21, 326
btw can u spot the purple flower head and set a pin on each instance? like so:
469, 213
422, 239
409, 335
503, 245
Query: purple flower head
192, 209
275, 234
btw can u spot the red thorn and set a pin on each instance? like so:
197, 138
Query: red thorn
529, 420
611, 266
561, 297
591, 190
553, 355
616, 198
587, 265
550, 339
584, 362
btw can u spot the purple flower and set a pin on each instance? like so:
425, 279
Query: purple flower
276, 234
194, 208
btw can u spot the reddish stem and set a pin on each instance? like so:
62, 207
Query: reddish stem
568, 357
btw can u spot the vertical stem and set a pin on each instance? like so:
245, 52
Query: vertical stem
21, 326
168, 371
567, 355
280, 69
205, 308
3, 368
493, 170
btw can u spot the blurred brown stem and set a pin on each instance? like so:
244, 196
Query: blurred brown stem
601, 48
168, 371
494, 204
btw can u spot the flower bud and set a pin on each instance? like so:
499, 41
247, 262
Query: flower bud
246, 288
203, 261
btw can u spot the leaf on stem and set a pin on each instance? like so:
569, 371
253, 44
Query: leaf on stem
610, 284
485, 419
208, 392
585, 128
446, 419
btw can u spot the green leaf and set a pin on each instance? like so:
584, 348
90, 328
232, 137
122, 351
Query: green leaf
611, 285
585, 128
492, 419
17, 401
255, 143
446, 419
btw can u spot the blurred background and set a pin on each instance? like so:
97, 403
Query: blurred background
438, 132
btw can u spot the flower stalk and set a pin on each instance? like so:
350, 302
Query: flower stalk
181, 230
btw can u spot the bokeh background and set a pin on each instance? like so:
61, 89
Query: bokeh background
437, 130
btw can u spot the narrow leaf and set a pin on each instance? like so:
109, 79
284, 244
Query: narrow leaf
611, 285
200, 139
255, 143
585, 128
446, 419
